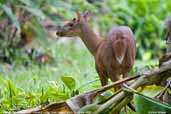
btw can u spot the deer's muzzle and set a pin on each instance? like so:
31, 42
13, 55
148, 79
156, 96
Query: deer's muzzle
59, 31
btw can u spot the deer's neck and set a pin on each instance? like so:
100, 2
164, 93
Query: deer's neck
90, 39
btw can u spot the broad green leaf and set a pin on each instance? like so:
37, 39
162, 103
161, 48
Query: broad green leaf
69, 82
2, 1
145, 105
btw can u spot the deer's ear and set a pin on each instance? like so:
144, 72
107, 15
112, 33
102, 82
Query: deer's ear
87, 15
78, 15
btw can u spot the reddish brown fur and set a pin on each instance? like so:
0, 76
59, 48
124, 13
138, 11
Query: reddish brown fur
119, 43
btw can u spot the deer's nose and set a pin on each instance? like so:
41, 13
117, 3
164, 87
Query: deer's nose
59, 33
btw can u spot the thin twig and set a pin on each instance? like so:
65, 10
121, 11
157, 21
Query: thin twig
159, 96
119, 82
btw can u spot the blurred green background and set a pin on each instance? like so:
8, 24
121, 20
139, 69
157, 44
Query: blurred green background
33, 59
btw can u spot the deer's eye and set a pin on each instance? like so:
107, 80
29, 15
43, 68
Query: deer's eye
74, 19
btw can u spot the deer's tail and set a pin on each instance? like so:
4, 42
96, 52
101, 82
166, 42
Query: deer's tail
119, 47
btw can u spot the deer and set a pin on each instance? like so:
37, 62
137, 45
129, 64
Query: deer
114, 56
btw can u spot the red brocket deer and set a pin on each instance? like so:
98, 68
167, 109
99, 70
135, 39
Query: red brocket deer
114, 55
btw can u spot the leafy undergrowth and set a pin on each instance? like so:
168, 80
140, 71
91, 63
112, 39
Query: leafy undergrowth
24, 87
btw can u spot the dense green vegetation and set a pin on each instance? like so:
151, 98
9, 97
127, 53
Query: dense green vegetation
24, 83
32, 86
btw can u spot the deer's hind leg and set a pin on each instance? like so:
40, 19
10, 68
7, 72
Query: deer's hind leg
114, 76
102, 75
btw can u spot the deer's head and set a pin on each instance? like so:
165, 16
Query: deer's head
72, 28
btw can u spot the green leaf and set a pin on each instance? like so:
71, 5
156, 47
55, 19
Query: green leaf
58, 4
151, 90
88, 109
2, 1
40, 32
37, 12
9, 87
145, 105
3, 81
168, 4
11, 15
103, 97
69, 82
27, 2
12, 88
